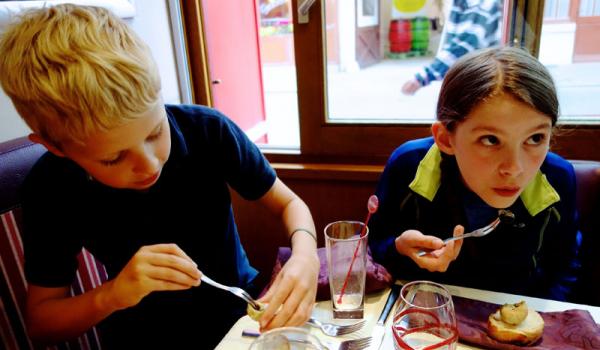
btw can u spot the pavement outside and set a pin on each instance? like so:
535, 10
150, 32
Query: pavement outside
374, 94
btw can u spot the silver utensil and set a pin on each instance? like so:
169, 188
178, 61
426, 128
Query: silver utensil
234, 290
379, 329
503, 216
335, 330
351, 344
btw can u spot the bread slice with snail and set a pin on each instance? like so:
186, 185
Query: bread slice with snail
516, 324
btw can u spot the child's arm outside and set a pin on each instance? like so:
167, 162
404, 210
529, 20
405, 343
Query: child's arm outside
467, 29
292, 295
53, 315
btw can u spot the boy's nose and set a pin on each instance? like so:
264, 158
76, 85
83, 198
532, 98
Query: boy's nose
511, 164
146, 163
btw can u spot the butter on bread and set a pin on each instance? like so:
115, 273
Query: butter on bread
516, 324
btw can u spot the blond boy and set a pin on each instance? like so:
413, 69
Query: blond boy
143, 186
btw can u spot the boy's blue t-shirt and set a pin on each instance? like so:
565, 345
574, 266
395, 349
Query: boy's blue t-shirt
190, 205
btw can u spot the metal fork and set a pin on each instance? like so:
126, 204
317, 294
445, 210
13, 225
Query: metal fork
505, 216
235, 290
335, 330
477, 233
352, 344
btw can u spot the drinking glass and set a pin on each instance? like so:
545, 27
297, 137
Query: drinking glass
425, 318
347, 267
292, 338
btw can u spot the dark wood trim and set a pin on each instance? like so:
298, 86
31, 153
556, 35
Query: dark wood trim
316, 171
578, 142
525, 23
570, 141
535, 17
310, 76
191, 12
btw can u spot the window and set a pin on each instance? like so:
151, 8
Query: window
570, 51
367, 13
334, 127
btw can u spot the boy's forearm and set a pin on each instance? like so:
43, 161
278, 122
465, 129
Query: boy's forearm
301, 227
59, 319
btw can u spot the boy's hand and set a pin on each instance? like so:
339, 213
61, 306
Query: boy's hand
291, 297
153, 268
410, 242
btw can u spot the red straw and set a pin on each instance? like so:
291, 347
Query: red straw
372, 205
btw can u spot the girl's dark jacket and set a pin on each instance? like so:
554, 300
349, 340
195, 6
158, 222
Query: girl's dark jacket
536, 255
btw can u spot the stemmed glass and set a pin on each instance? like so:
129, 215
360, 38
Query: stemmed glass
425, 318
292, 338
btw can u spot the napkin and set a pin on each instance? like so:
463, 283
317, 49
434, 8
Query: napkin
378, 278
565, 330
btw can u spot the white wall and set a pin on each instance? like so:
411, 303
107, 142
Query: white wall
347, 36
557, 43
151, 22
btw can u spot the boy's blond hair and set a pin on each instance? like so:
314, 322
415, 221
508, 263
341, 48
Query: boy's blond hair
74, 70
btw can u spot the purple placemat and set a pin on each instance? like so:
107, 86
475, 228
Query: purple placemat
378, 278
565, 330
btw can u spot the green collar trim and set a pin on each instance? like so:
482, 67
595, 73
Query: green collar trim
537, 196
429, 174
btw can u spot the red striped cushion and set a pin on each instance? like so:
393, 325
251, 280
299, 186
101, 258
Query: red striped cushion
13, 288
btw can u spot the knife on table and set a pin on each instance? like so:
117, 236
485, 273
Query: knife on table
379, 329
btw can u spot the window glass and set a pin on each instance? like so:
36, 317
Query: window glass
276, 38
390, 67
250, 72
344, 75
570, 49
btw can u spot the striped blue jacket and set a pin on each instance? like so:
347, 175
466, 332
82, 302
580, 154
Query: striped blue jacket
471, 25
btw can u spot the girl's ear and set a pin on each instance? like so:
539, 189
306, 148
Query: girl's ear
49, 145
442, 136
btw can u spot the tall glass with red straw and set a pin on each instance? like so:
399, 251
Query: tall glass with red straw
372, 205
347, 267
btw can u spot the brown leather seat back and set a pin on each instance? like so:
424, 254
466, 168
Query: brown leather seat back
16, 159
588, 204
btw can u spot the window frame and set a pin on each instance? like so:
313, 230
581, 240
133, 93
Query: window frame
323, 141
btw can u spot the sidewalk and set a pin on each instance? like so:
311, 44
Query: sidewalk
373, 94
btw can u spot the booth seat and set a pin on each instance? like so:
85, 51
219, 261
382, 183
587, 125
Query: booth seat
16, 159
18, 156
587, 173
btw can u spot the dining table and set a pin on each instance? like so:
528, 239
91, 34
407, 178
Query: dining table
375, 302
